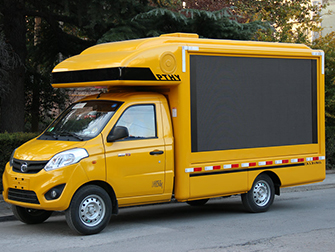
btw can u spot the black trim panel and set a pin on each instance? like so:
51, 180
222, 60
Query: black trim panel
31, 166
244, 170
104, 74
22, 196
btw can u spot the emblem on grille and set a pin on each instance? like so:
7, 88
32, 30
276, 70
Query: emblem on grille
24, 167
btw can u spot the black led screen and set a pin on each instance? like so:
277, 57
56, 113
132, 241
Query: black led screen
245, 102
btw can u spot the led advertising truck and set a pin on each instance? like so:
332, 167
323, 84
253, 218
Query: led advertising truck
184, 118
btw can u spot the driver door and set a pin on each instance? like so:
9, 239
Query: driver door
136, 165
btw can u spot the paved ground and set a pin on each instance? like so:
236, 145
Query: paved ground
329, 182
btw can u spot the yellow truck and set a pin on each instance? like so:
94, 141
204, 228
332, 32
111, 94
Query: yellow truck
184, 118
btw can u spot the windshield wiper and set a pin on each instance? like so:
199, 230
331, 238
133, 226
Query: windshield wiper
53, 134
66, 133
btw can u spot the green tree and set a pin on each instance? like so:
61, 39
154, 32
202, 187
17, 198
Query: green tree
208, 5
42, 33
8, 62
327, 44
12, 101
66, 27
292, 21
217, 24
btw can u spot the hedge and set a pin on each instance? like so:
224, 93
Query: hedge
330, 147
8, 143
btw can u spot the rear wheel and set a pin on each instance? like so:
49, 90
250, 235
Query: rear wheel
29, 215
261, 195
197, 202
90, 210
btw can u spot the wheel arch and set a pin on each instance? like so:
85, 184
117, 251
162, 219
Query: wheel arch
275, 179
109, 189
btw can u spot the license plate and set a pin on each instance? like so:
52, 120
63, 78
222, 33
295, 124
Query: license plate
20, 183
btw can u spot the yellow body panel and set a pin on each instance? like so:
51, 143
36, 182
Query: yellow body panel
157, 71
136, 176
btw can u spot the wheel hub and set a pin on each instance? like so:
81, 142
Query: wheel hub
92, 210
261, 193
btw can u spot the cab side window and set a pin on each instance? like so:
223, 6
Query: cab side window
140, 121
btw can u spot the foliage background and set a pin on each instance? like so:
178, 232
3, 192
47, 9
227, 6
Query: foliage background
327, 44
39, 34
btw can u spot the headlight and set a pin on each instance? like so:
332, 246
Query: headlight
12, 158
65, 158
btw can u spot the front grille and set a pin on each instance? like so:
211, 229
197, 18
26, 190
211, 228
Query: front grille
23, 196
31, 166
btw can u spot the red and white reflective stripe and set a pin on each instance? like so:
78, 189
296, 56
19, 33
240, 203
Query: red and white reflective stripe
197, 169
265, 163
215, 167
249, 164
284, 161
297, 160
193, 169
229, 166
315, 158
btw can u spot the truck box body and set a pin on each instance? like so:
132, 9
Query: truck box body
232, 103
230, 117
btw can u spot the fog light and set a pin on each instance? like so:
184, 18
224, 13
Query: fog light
55, 193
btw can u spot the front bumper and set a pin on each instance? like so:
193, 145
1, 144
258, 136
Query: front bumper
29, 190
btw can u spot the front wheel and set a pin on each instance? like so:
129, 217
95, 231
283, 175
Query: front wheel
261, 195
29, 215
90, 210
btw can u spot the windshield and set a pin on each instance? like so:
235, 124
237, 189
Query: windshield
81, 121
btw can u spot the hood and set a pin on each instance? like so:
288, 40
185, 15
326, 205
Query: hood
39, 150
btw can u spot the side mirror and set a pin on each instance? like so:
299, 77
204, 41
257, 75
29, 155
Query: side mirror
119, 132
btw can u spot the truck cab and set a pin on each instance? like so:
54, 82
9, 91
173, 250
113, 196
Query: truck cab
83, 146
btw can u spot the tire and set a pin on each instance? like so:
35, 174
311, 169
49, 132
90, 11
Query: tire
90, 210
261, 195
29, 215
197, 202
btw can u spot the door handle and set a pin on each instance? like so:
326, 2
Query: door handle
156, 152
